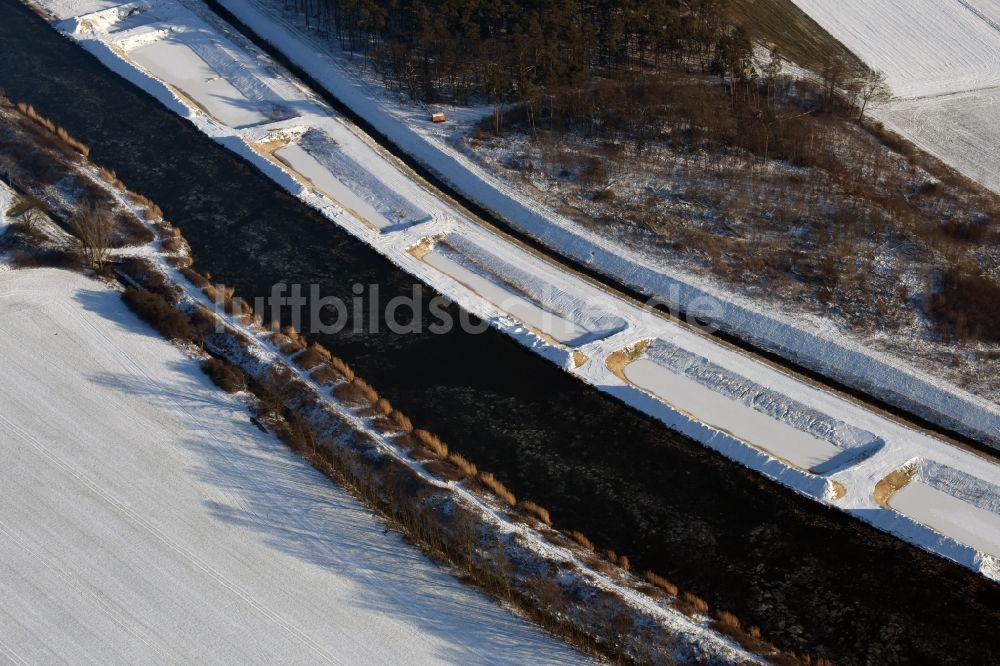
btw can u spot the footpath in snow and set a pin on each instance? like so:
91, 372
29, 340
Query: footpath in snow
821, 445
146, 520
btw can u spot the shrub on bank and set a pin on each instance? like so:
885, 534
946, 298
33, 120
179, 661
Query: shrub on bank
691, 604
401, 420
366, 390
728, 619
311, 357
29, 111
342, 367
325, 375
227, 377
156, 311
152, 210
194, 277
151, 278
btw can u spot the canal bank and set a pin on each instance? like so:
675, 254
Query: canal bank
807, 576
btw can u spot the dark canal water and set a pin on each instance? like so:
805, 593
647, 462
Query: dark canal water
813, 579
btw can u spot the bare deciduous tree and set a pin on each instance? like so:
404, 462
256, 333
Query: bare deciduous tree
10, 170
29, 209
94, 228
872, 88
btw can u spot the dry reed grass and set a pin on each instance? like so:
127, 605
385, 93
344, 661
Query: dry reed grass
340, 366
691, 604
661, 583
498, 488
366, 390
431, 443
539, 512
28, 111
325, 375
581, 539
463, 464
313, 356
401, 420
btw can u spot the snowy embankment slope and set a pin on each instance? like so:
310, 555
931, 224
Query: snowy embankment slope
809, 342
616, 330
942, 60
145, 520
6, 200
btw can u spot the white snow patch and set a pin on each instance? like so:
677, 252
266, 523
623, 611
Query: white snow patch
938, 509
524, 294
320, 160
64, 9
6, 201
519, 307
182, 68
953, 503
755, 428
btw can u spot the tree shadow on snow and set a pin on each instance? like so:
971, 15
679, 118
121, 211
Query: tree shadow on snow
296, 510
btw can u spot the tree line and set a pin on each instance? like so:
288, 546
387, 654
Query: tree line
630, 70
516, 51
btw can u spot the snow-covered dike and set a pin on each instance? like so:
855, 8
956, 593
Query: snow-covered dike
809, 342
143, 519
942, 60
556, 313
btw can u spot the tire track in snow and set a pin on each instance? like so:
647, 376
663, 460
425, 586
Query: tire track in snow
173, 545
975, 10
111, 610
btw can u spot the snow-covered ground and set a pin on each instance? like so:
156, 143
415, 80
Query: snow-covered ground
198, 81
942, 60
609, 324
523, 294
144, 519
940, 510
785, 442
6, 201
784, 427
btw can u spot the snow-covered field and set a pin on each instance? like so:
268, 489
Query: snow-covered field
925, 47
144, 519
609, 323
942, 60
